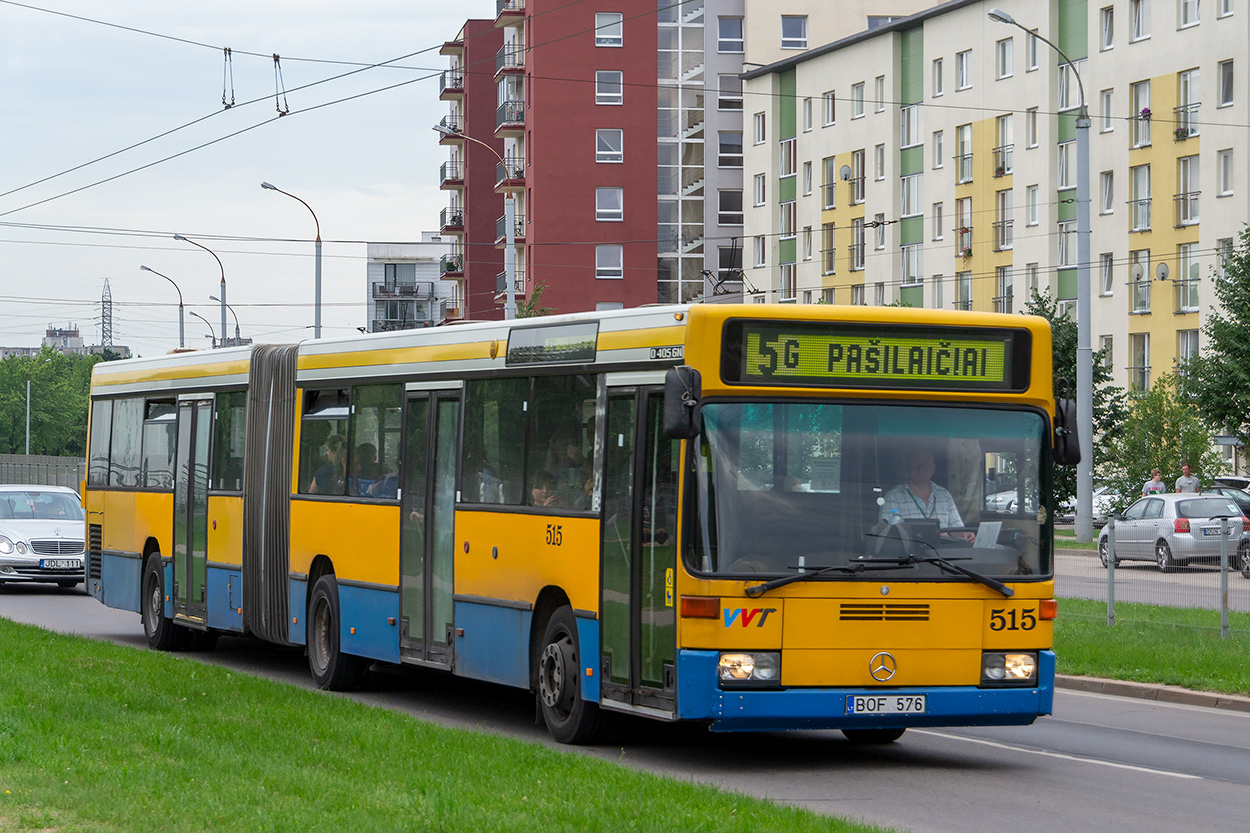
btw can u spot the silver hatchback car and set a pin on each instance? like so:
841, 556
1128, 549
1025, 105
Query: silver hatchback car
1174, 530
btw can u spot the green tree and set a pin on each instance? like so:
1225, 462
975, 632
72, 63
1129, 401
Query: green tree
1163, 430
1110, 403
59, 391
529, 308
1217, 381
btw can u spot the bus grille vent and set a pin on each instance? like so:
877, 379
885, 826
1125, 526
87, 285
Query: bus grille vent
95, 533
884, 612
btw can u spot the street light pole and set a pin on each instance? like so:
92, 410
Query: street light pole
1084, 350
223, 277
182, 343
316, 268
509, 219
211, 333
236, 321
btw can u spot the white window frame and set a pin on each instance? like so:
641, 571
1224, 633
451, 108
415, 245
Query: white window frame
1107, 99
1106, 183
787, 220
759, 128
1189, 14
830, 100
1030, 127
760, 189
807, 242
909, 125
936, 82
1030, 205
1226, 8
609, 29
807, 115
1226, 83
911, 264
1224, 171
1030, 52
725, 99
878, 92
728, 160
609, 261
1139, 20
857, 100
1004, 58
807, 178
963, 70
607, 152
761, 250
722, 213
911, 195
939, 156
1107, 264
609, 87
605, 210
788, 156
734, 44
939, 232
1106, 28
796, 38
878, 156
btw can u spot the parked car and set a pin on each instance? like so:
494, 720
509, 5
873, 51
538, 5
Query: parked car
1106, 501
1176, 530
41, 535
1233, 480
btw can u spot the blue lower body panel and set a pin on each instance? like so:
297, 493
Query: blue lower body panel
700, 698
368, 628
492, 643
225, 599
118, 585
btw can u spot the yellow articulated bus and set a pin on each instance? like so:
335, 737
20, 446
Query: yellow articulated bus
755, 517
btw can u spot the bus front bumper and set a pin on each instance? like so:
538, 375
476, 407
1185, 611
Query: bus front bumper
740, 710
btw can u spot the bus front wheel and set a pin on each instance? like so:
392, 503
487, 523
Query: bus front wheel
873, 736
331, 668
569, 718
162, 634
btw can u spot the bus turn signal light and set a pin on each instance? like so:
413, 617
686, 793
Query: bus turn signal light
1049, 609
700, 607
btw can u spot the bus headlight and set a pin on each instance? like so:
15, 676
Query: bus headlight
1008, 668
749, 668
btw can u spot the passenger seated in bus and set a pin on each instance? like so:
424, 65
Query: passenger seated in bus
570, 464
364, 468
328, 478
543, 490
919, 497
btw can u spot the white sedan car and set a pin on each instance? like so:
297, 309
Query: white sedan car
41, 535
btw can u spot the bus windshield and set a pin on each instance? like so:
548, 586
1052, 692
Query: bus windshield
786, 486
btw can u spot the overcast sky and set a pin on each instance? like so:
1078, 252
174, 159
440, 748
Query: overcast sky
77, 90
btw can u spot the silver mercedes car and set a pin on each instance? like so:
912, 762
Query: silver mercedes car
1174, 530
41, 535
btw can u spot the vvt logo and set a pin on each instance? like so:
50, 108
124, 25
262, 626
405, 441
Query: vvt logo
747, 616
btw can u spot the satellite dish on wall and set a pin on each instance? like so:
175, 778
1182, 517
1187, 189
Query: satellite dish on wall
846, 173
1136, 271
1161, 271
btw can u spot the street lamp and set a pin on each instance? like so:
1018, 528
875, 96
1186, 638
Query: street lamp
211, 333
223, 277
236, 321
181, 329
317, 268
509, 219
1084, 351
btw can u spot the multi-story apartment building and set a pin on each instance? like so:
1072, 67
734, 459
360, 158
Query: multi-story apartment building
624, 123
931, 161
406, 286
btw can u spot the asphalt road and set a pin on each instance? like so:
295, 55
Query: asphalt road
1079, 574
1101, 763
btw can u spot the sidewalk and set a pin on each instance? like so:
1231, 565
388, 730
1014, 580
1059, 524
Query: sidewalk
1152, 691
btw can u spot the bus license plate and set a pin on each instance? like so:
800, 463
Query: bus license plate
885, 704
60, 564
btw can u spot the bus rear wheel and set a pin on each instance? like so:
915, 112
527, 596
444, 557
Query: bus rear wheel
873, 736
331, 668
161, 632
569, 718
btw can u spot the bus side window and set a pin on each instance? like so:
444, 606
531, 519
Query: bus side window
494, 440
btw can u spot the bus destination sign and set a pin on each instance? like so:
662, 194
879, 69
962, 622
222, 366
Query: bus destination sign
873, 356
553, 344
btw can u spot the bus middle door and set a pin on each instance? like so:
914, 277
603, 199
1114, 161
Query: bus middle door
638, 622
190, 596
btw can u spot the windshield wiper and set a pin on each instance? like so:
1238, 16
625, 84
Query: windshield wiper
946, 565
757, 590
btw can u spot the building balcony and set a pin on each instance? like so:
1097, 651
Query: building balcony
452, 47
501, 282
963, 241
1186, 208
963, 168
509, 59
501, 229
857, 189
1139, 136
451, 266
1002, 303
421, 291
1185, 118
390, 325
509, 12
451, 175
1002, 235
453, 124
510, 118
451, 84
451, 219
510, 173
1002, 160
856, 253
1139, 215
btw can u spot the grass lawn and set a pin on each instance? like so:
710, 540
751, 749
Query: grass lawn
99, 737
1154, 644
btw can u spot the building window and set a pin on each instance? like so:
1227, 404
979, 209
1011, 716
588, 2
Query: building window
729, 34
608, 29
787, 211
609, 145
857, 244
879, 161
760, 133
789, 150
909, 125
1030, 52
878, 85
1004, 152
1067, 243
761, 250
828, 258
938, 155
786, 294
963, 290
912, 262
1003, 233
807, 242
793, 31
1226, 83
1189, 13
963, 153
936, 283
1139, 280
1141, 114
938, 222
910, 196
1139, 19
1186, 349
878, 224
1004, 62
1226, 8
729, 202
1187, 279
609, 261
807, 178
963, 70
857, 100
1139, 366
1002, 301
609, 86
829, 182
1107, 262
1030, 127
1107, 98
1224, 163
729, 260
610, 205
1139, 199
1187, 112
729, 89
1107, 18
807, 115
857, 295
1030, 205
730, 155
1106, 346
1070, 85
879, 294
937, 77
1067, 153
831, 101
760, 188
1108, 191
1188, 193
857, 177
1223, 256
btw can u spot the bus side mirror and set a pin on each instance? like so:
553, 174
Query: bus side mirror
1067, 447
683, 388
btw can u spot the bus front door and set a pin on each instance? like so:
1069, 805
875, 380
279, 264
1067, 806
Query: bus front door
427, 511
638, 625
195, 421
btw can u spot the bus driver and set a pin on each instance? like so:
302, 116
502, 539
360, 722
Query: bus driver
920, 497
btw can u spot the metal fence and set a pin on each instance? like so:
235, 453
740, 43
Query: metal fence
1211, 596
42, 470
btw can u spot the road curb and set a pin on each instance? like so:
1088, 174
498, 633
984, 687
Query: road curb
1152, 691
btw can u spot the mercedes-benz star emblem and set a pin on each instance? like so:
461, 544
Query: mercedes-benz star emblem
882, 666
